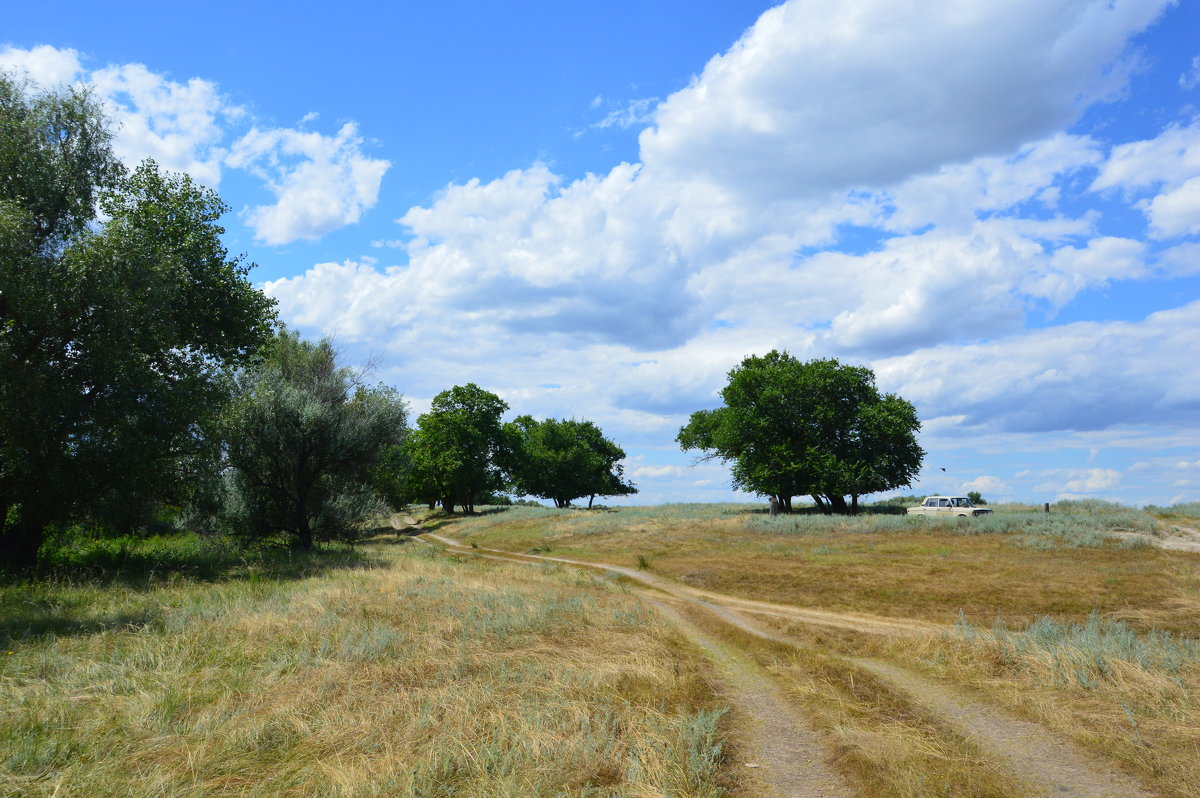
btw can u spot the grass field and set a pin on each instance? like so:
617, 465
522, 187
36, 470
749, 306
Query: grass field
387, 670
1046, 615
180, 666
1013, 568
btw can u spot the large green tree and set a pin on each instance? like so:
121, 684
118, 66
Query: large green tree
820, 428
121, 314
459, 450
305, 440
564, 460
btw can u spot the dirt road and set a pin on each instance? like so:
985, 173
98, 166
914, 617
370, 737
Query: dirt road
1054, 765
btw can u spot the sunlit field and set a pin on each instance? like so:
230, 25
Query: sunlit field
1064, 618
385, 670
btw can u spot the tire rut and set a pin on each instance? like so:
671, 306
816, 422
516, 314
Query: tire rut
787, 751
1057, 766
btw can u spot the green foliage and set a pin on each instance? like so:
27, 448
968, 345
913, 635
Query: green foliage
977, 498
819, 428
117, 331
306, 442
565, 460
459, 449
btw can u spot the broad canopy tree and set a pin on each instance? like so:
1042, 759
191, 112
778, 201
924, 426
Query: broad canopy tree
121, 317
459, 450
565, 460
818, 428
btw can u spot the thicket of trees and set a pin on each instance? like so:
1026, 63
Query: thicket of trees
461, 452
818, 428
122, 318
564, 460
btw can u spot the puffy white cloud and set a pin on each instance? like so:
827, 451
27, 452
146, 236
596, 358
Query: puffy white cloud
1076, 482
988, 486
1169, 163
46, 65
320, 183
1175, 212
811, 98
179, 125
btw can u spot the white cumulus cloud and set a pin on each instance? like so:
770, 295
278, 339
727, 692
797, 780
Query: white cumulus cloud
320, 183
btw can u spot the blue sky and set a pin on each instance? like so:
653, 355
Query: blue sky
596, 210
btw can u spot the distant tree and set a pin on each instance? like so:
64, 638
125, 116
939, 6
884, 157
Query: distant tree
121, 315
820, 428
976, 498
305, 440
565, 460
459, 449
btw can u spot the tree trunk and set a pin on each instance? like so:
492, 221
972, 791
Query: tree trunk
820, 504
304, 540
590, 499
787, 504
432, 503
448, 505
838, 504
854, 503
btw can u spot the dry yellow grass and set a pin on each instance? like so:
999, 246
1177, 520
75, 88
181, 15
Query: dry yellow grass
427, 676
1124, 689
931, 572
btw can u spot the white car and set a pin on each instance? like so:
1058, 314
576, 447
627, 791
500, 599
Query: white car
948, 506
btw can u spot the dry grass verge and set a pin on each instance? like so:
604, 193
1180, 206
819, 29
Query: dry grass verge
426, 676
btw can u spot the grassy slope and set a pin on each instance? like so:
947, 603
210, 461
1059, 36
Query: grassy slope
387, 672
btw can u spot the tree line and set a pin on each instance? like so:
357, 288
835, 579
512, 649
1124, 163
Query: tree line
143, 376
141, 373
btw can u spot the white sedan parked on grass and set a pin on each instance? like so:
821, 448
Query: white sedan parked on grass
948, 505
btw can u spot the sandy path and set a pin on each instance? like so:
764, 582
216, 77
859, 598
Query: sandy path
858, 622
1058, 767
1178, 538
785, 749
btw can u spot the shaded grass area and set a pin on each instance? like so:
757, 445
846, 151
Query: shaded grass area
412, 673
886, 565
91, 585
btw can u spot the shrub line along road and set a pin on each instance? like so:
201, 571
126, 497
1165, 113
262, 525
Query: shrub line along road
797, 766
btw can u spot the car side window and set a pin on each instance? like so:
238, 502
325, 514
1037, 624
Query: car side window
943, 502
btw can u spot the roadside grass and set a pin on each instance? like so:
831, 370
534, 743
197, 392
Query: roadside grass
887, 746
400, 671
882, 564
1129, 696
